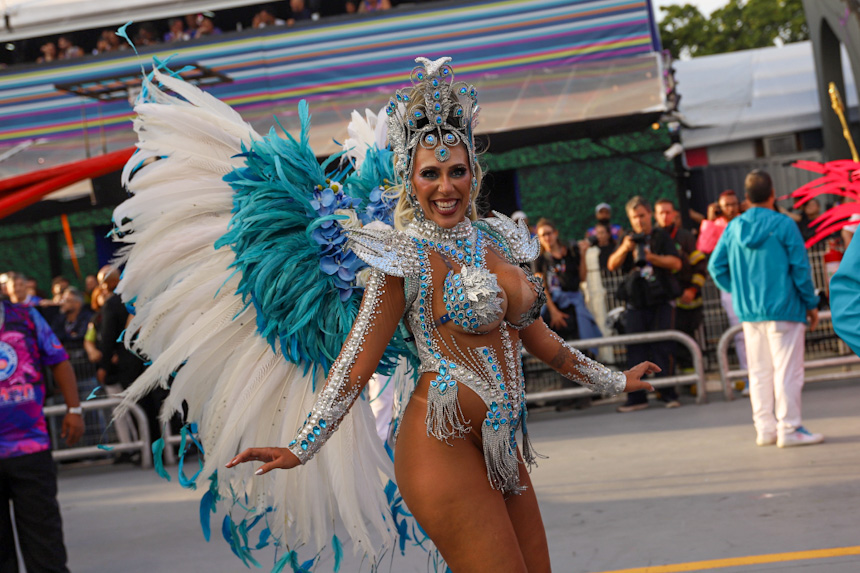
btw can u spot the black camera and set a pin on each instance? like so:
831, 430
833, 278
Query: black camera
641, 240
592, 240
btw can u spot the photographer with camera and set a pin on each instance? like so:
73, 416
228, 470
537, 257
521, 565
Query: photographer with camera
689, 311
650, 260
720, 214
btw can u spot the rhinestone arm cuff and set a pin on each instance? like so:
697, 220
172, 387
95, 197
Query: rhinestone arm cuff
548, 346
375, 323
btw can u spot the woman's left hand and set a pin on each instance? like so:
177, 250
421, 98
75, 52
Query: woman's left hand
275, 458
635, 374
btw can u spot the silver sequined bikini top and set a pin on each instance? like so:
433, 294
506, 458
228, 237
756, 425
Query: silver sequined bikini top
471, 296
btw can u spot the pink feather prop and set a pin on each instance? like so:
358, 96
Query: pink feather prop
840, 177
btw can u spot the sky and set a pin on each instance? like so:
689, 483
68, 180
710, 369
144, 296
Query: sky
704, 6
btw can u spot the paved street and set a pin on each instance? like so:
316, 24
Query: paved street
619, 492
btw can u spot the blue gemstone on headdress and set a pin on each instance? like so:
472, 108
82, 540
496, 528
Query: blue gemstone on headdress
405, 97
449, 138
446, 70
399, 97
435, 82
411, 123
473, 92
430, 139
437, 94
464, 90
437, 107
420, 75
441, 153
458, 112
438, 120
418, 114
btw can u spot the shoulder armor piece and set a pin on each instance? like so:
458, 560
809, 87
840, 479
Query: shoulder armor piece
515, 238
389, 250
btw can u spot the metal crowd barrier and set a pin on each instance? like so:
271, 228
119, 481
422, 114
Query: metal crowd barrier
697, 378
142, 444
726, 375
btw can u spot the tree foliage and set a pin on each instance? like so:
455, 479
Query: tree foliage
739, 25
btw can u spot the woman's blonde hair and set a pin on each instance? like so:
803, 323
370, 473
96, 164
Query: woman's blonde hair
404, 213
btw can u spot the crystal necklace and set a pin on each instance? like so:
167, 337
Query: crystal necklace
459, 242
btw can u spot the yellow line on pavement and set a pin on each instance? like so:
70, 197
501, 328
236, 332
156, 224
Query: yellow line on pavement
741, 561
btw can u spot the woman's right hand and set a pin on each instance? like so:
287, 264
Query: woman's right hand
635, 374
558, 319
275, 458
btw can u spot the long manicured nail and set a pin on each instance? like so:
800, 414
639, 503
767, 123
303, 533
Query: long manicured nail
259, 472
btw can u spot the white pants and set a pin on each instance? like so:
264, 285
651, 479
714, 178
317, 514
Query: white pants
776, 374
740, 346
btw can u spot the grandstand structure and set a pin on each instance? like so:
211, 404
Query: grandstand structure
572, 95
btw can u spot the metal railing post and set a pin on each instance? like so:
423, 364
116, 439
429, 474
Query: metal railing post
726, 375
142, 444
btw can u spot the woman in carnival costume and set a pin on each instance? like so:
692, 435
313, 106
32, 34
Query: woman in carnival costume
245, 296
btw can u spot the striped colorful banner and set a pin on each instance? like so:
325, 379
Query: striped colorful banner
335, 64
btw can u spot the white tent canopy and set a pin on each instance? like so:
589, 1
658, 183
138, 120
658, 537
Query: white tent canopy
752, 93
37, 18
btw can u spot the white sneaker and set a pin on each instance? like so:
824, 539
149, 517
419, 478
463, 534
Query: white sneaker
799, 437
765, 439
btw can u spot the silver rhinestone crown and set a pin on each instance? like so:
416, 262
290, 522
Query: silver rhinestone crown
436, 113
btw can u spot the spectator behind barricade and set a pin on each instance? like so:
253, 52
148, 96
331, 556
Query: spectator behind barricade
602, 239
689, 312
719, 216
720, 213
205, 27
763, 262
265, 18
16, 289
116, 43
848, 231
59, 284
118, 367
601, 247
91, 283
350, 7
71, 324
190, 24
146, 35
649, 258
49, 53
67, 50
373, 5
33, 290
176, 31
603, 214
298, 11
562, 269
28, 475
92, 339
809, 212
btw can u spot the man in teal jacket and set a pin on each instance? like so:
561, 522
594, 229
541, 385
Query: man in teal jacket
762, 261
845, 297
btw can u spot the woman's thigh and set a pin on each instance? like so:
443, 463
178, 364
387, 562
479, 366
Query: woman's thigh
525, 517
447, 490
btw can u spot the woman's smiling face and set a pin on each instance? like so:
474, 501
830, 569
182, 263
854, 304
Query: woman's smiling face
442, 188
